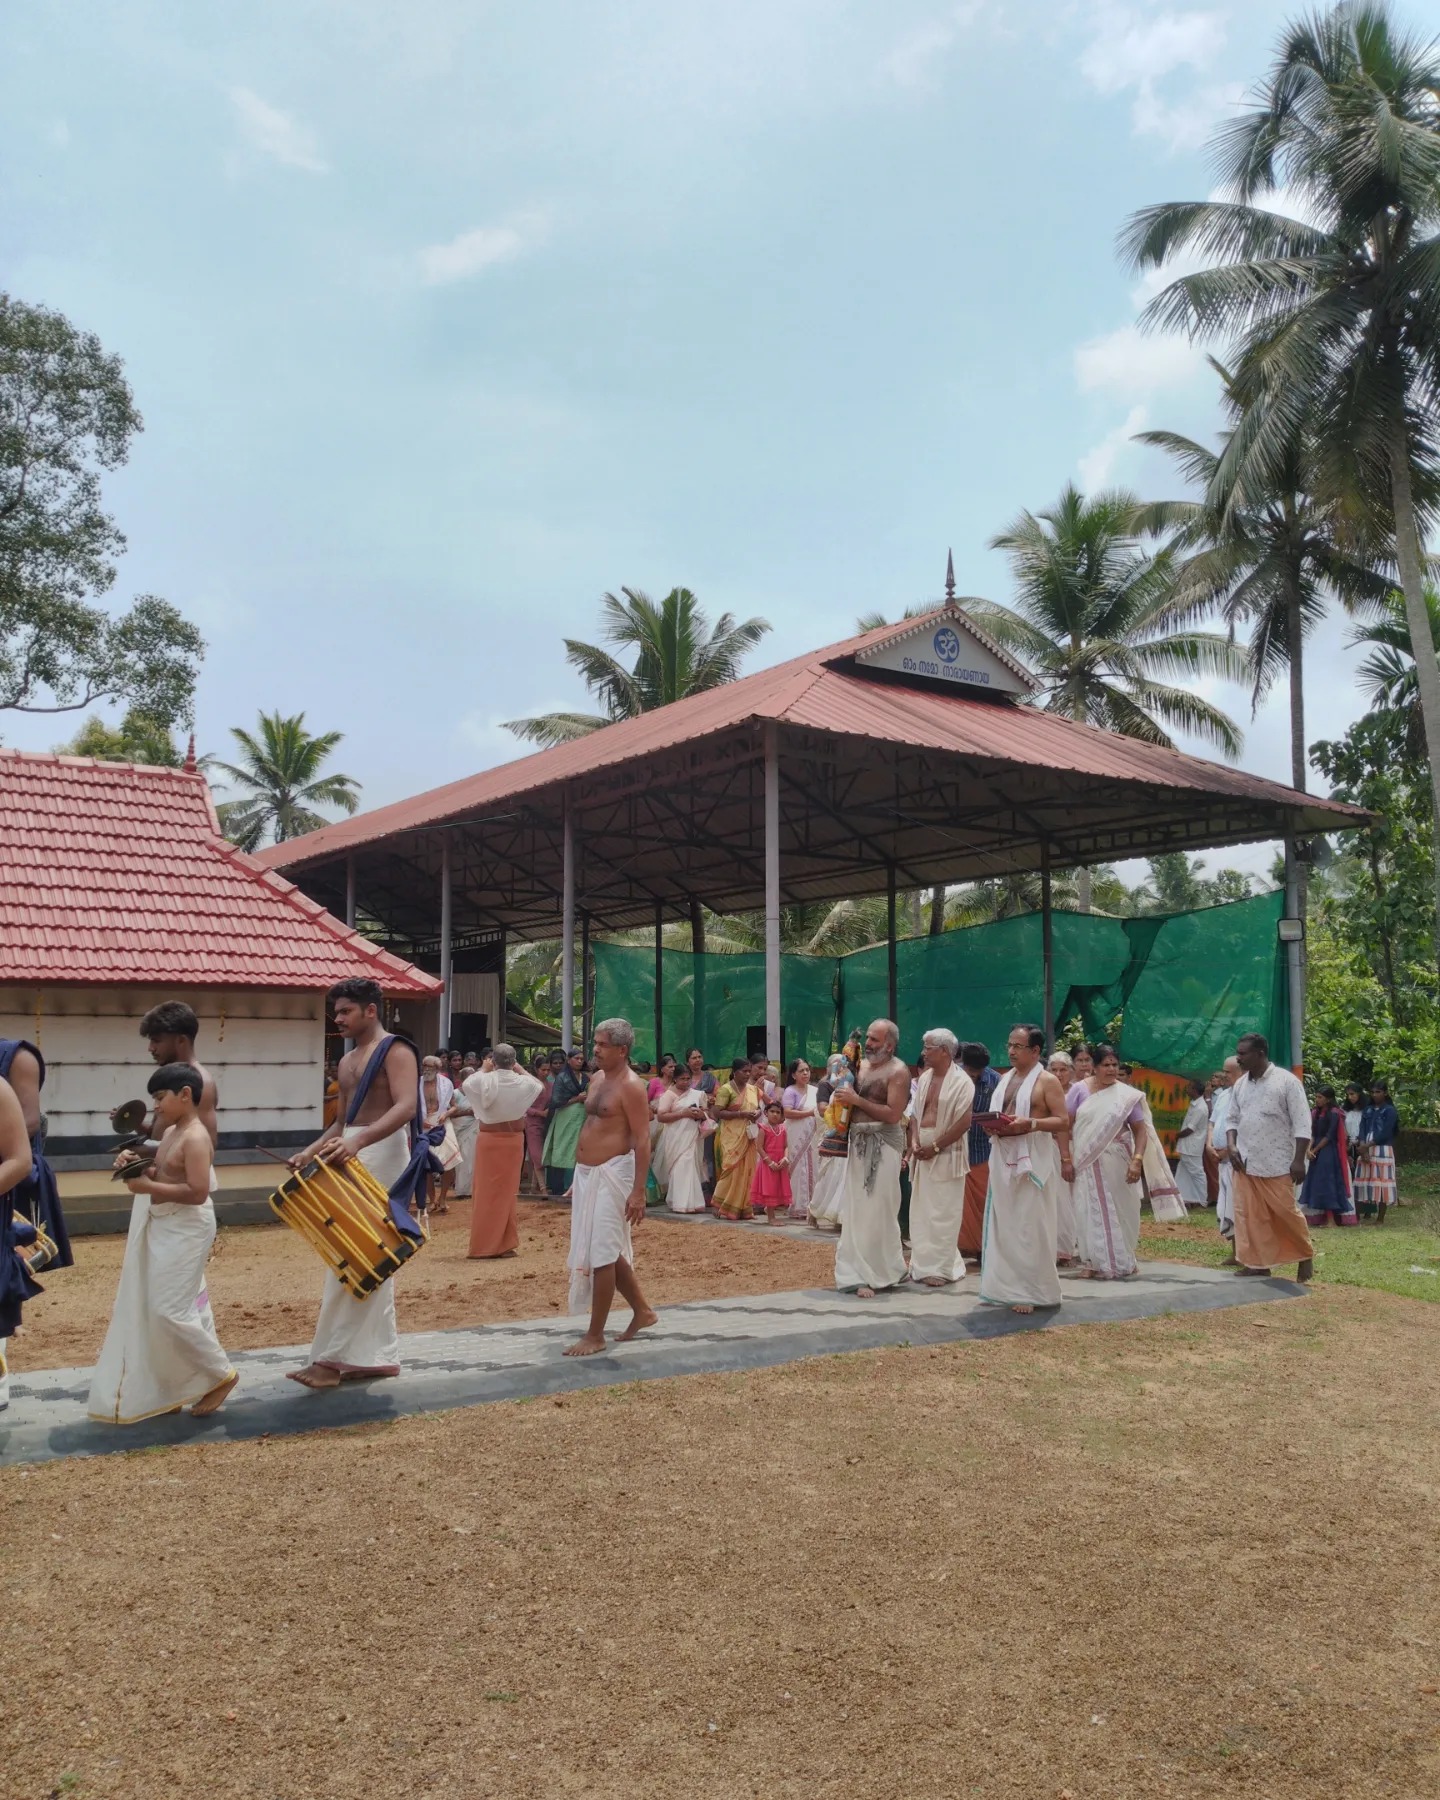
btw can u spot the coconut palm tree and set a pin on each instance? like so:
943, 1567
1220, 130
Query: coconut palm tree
677, 652
1387, 675
1334, 316
280, 777
1094, 620
1270, 560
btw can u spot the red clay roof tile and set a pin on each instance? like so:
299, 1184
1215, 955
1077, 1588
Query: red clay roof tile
113, 872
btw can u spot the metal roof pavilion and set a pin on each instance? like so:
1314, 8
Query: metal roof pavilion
904, 757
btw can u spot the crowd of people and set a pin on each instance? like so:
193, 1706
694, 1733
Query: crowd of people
1035, 1169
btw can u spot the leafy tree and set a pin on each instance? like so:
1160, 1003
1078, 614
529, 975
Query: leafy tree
677, 652
1094, 620
138, 738
1269, 558
1228, 885
280, 775
1335, 316
1387, 915
66, 413
1387, 674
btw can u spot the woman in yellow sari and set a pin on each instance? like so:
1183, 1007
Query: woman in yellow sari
737, 1106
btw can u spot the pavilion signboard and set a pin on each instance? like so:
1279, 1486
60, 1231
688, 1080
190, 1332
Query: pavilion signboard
950, 652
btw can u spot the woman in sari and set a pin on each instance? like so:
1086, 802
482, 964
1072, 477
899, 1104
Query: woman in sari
680, 1116
544, 1069
799, 1101
567, 1115
703, 1083
737, 1106
1104, 1168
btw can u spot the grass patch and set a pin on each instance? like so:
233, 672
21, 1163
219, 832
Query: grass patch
1400, 1257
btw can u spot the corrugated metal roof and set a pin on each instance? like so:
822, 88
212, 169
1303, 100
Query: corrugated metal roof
820, 690
115, 872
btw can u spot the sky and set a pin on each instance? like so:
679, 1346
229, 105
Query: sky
445, 318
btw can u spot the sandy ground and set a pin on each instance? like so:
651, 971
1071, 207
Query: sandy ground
1193, 1556
265, 1281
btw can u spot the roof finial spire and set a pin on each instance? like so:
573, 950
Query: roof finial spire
949, 577
191, 766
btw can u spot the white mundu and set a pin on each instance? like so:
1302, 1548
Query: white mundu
871, 1252
1017, 1256
677, 1154
937, 1187
361, 1335
599, 1230
161, 1351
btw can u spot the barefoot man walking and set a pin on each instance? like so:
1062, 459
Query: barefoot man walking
871, 1253
611, 1162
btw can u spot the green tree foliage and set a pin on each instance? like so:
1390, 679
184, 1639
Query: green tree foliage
676, 652
1387, 673
66, 414
1382, 905
281, 782
1093, 618
138, 738
1332, 317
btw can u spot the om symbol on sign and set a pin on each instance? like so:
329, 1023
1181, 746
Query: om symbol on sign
947, 644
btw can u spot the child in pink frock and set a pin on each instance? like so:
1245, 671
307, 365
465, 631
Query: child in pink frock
770, 1188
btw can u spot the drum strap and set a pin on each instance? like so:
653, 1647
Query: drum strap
412, 1182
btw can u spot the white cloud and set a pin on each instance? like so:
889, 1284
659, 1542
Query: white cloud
275, 134
1136, 364
1132, 51
485, 734
483, 248
1097, 466
1130, 48
914, 62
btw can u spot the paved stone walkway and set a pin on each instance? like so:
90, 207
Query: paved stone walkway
46, 1418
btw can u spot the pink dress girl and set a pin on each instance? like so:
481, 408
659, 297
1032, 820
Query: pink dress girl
770, 1188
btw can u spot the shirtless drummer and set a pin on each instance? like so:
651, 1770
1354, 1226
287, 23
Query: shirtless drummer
359, 1340
612, 1160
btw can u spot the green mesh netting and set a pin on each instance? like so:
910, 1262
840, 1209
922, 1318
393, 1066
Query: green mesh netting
715, 1000
1207, 977
1188, 984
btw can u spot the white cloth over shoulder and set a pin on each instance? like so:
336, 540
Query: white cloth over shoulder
160, 1351
677, 1164
1017, 1254
871, 1252
356, 1336
599, 1230
937, 1186
500, 1096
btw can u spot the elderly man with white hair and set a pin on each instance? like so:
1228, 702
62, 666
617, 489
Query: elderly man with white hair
871, 1252
939, 1161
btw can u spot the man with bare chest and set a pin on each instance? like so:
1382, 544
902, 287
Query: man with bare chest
612, 1160
871, 1253
359, 1340
170, 1029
